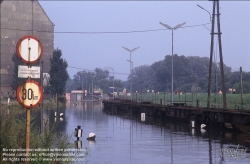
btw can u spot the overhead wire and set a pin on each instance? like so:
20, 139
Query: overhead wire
110, 32
107, 32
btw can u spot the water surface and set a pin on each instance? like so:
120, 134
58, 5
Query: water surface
128, 140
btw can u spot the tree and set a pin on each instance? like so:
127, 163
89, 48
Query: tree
58, 73
101, 79
142, 78
69, 85
188, 71
246, 87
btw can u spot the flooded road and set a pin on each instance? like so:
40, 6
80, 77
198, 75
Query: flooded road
128, 140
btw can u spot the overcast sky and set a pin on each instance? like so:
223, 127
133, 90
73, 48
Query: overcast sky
103, 50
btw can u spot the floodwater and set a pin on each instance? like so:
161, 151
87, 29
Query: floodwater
128, 140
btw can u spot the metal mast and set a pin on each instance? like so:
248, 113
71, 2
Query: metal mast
216, 3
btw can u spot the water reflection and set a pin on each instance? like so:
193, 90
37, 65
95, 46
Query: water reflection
127, 139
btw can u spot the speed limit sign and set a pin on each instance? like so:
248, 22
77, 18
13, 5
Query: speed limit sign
29, 94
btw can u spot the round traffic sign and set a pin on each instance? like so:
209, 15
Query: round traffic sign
29, 49
29, 94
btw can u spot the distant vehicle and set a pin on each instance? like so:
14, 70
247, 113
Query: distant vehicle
111, 91
97, 92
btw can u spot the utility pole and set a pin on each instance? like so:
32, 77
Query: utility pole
241, 86
216, 3
211, 59
221, 58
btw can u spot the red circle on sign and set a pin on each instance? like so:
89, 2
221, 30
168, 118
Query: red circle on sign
19, 49
26, 96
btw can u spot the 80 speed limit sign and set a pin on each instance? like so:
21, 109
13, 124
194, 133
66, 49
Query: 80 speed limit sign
30, 94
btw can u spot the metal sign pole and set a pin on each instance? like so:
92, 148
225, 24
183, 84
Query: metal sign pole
29, 49
27, 135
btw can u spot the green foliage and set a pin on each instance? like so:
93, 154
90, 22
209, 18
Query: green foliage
246, 87
12, 133
58, 73
62, 99
69, 85
83, 80
142, 79
188, 72
51, 138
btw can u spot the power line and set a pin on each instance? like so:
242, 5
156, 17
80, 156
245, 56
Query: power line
109, 32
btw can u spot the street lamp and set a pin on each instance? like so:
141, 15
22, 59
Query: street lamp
131, 63
130, 60
83, 73
92, 87
206, 11
172, 28
113, 80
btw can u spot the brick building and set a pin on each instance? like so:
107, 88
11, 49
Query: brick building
18, 19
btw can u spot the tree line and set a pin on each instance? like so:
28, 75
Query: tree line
98, 79
190, 73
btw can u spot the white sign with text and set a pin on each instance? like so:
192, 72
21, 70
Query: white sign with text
25, 71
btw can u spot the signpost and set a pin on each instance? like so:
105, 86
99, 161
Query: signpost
29, 49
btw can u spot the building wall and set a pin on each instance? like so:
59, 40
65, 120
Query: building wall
18, 19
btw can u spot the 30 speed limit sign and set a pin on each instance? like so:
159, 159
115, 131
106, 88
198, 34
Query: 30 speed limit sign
30, 94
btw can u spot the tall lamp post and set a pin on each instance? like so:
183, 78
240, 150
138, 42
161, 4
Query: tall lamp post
206, 11
131, 63
113, 80
82, 87
130, 60
83, 73
92, 88
172, 28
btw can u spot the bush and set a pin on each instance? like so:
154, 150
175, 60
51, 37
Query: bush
13, 128
62, 99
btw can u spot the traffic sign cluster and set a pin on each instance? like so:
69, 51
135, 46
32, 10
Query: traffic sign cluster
29, 50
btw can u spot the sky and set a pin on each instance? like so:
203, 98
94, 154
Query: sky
110, 19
